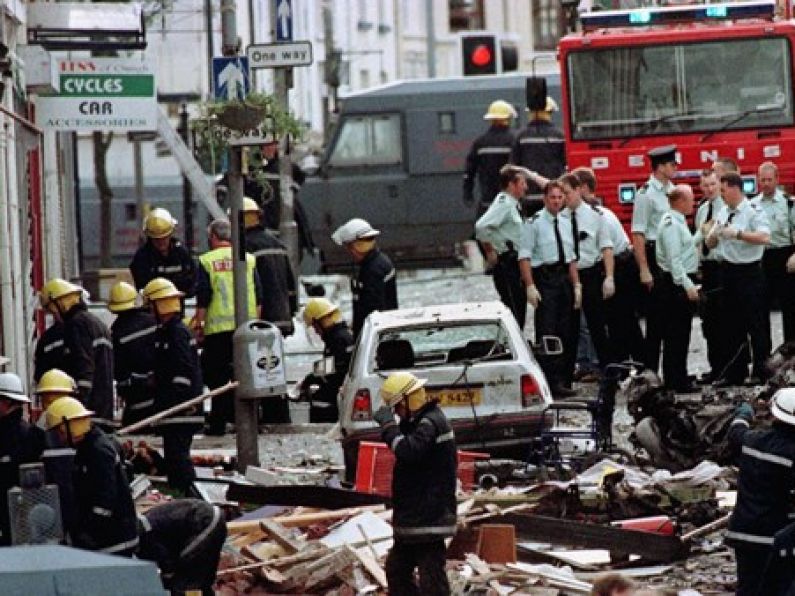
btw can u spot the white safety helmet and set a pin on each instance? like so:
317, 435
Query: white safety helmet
11, 387
783, 405
355, 229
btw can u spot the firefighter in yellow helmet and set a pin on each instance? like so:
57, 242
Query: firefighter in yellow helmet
133, 334
540, 146
178, 378
214, 320
326, 319
279, 302
162, 255
489, 152
105, 514
87, 340
373, 286
423, 484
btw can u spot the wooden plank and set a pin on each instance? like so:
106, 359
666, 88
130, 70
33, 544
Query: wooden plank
315, 572
653, 547
279, 534
371, 565
303, 520
325, 497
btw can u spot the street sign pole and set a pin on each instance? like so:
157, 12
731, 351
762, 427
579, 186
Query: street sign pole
245, 410
281, 30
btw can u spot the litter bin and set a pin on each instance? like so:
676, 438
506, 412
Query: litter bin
259, 360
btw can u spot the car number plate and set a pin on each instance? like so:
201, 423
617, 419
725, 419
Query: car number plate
457, 397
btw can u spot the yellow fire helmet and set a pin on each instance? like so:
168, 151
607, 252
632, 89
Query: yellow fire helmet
164, 295
56, 289
69, 409
403, 385
317, 309
122, 297
250, 205
56, 381
159, 223
500, 110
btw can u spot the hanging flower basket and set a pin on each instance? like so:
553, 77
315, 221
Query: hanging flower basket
241, 116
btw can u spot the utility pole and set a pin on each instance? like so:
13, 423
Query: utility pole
288, 230
431, 39
331, 76
187, 192
245, 409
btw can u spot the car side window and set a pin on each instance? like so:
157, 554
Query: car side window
368, 140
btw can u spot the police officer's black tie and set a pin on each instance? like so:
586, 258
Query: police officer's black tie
575, 231
559, 242
704, 247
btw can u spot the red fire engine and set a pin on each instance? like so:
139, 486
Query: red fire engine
714, 79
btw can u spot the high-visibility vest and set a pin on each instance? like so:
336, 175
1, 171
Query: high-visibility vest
221, 310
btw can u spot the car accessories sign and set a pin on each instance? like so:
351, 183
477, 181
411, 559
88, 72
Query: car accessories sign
112, 94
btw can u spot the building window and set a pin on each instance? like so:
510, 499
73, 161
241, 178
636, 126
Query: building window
547, 24
466, 15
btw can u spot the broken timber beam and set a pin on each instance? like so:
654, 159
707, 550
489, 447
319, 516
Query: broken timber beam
652, 547
300, 521
307, 495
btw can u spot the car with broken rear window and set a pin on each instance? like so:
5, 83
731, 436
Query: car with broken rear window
478, 365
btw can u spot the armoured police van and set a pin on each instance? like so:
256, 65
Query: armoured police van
397, 159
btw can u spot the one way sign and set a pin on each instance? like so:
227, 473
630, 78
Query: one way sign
280, 55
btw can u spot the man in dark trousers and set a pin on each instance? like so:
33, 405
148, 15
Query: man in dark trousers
133, 334
184, 538
540, 146
279, 300
549, 270
162, 255
178, 378
214, 321
90, 359
423, 485
105, 517
499, 230
20, 443
765, 459
327, 321
373, 286
488, 154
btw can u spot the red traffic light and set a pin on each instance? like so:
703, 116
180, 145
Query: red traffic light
481, 55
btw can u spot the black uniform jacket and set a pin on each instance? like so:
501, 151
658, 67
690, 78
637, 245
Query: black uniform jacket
20, 443
373, 288
178, 375
178, 266
90, 359
133, 334
424, 477
279, 301
105, 512
50, 351
540, 147
766, 458
174, 533
488, 154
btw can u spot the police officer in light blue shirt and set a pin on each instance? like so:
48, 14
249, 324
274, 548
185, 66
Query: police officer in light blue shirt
593, 249
740, 233
549, 271
713, 315
677, 258
499, 229
651, 203
778, 207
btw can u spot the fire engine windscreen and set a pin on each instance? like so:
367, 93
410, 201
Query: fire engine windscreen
680, 88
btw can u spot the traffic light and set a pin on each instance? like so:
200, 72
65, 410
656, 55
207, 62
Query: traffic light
479, 55
485, 54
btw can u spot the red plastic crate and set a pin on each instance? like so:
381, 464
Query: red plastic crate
374, 468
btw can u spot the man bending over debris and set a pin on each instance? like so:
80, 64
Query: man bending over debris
423, 485
184, 538
765, 458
